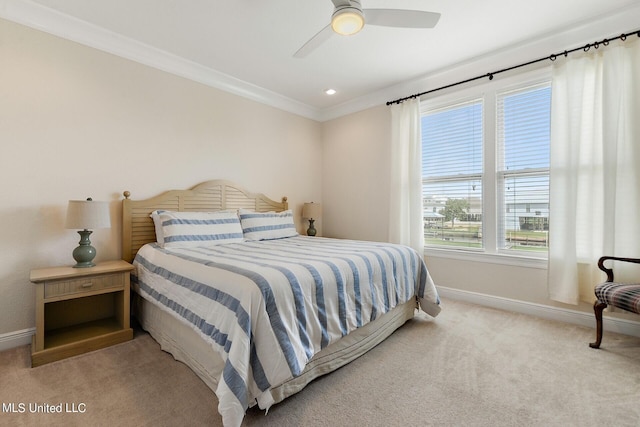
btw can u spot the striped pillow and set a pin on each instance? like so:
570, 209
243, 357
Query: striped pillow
267, 225
190, 229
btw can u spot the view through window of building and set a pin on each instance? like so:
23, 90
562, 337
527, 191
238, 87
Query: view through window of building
452, 140
456, 138
523, 125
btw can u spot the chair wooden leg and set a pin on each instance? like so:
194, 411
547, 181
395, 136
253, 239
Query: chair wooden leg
598, 307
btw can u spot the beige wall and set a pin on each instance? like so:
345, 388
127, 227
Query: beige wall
77, 122
355, 176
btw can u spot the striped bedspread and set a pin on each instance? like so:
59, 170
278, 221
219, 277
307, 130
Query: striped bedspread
268, 306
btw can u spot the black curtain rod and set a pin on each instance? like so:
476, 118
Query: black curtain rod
551, 57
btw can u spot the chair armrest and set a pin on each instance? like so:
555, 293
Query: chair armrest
609, 271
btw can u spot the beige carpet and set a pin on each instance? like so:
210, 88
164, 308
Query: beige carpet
472, 366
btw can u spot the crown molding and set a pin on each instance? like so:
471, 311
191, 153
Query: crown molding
574, 34
44, 19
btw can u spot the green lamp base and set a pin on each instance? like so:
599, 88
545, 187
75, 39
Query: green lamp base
311, 231
85, 253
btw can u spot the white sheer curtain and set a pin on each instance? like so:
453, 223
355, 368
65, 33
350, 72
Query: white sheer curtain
595, 166
405, 216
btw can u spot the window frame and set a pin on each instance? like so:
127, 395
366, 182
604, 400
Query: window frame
488, 91
458, 177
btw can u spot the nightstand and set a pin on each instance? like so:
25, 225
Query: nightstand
80, 310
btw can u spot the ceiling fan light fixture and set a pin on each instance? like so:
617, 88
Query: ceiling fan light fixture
347, 21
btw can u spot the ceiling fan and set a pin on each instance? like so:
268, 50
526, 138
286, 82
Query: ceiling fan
349, 17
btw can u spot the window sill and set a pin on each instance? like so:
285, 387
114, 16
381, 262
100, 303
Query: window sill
478, 256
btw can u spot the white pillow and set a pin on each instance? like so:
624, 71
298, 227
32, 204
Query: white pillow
191, 229
157, 223
267, 225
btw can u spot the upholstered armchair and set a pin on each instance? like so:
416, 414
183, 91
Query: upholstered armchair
625, 296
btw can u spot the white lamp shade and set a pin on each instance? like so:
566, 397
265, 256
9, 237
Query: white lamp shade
311, 210
87, 214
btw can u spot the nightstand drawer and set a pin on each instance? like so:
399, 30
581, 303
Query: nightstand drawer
59, 288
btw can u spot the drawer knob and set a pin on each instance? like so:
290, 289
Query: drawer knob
87, 285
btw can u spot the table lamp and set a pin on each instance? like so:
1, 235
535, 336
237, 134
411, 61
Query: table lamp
83, 215
311, 211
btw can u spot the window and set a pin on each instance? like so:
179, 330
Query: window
452, 175
523, 128
485, 169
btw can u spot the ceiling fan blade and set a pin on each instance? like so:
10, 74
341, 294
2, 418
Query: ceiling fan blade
401, 18
314, 42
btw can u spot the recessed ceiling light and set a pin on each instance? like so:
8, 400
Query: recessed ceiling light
330, 91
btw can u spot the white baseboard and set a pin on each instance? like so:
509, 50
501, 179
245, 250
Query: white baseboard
16, 339
575, 317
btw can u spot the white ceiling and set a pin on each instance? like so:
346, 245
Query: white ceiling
250, 43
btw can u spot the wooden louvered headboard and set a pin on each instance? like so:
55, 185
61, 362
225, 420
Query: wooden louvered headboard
137, 225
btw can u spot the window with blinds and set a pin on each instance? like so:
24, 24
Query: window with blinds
452, 166
523, 135
485, 168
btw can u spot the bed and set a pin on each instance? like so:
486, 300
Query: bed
259, 313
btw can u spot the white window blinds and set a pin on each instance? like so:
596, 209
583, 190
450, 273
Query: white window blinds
523, 134
452, 140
